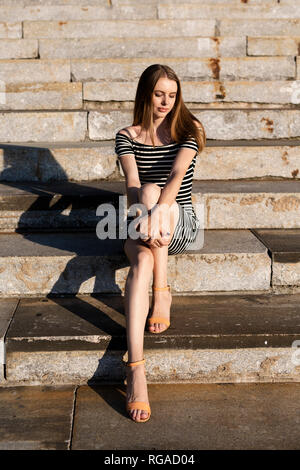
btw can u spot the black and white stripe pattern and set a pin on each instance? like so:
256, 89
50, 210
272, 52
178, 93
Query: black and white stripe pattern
154, 165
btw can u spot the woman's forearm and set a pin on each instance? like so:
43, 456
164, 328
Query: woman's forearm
170, 190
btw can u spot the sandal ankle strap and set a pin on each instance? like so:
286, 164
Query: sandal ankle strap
162, 288
132, 364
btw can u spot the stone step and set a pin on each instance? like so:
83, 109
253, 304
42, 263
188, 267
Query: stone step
219, 11
183, 416
221, 68
212, 339
219, 205
76, 95
82, 70
192, 47
18, 48
42, 96
89, 161
153, 28
218, 124
118, 29
79, 262
273, 46
11, 30
54, 12
78, 126
34, 71
246, 91
259, 26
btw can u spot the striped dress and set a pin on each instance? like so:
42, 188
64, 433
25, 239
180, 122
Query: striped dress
154, 165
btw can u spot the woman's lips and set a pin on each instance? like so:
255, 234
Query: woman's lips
163, 109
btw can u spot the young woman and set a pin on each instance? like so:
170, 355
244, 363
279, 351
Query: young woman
157, 154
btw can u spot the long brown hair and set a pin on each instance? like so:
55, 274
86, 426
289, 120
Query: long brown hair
179, 118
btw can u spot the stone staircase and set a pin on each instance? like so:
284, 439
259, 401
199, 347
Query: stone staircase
68, 75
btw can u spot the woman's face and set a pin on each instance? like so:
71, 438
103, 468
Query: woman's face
164, 96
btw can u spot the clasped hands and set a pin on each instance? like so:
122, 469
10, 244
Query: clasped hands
154, 227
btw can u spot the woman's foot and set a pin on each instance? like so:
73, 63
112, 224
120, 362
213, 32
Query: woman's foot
161, 304
137, 390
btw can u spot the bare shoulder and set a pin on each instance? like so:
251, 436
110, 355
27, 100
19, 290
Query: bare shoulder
196, 123
130, 131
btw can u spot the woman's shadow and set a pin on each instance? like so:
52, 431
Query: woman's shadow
44, 223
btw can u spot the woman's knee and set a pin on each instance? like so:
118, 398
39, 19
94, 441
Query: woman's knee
149, 194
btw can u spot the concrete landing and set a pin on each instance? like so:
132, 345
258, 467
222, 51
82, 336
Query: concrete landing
213, 338
184, 417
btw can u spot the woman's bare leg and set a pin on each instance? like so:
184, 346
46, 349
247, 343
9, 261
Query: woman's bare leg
136, 310
161, 301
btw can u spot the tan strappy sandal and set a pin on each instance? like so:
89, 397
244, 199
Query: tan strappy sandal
153, 320
137, 405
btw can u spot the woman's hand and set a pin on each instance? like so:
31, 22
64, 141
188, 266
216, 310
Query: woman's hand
155, 227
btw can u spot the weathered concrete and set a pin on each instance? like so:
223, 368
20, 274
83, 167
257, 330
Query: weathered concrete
203, 417
88, 161
18, 48
36, 418
35, 126
234, 162
285, 248
34, 70
223, 68
48, 162
218, 124
36, 96
214, 338
40, 263
219, 205
75, 12
263, 11
268, 91
127, 47
125, 29
259, 27
10, 30
273, 46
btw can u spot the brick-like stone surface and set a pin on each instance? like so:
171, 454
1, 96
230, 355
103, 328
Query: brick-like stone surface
279, 91
82, 263
35, 127
261, 209
259, 27
119, 29
10, 30
223, 68
120, 47
273, 46
18, 48
186, 10
75, 12
286, 274
32, 96
218, 124
88, 162
82, 163
31, 71
224, 163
